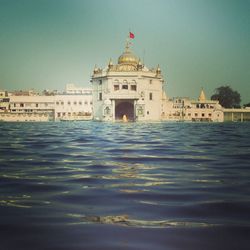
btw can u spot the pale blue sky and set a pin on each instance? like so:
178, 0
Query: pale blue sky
45, 44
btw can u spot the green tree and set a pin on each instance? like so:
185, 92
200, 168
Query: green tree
246, 105
227, 97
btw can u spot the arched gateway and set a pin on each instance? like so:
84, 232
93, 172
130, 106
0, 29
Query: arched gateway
126, 108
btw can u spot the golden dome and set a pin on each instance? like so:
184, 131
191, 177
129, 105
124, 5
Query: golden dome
128, 58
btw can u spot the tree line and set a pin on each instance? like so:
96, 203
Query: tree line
227, 97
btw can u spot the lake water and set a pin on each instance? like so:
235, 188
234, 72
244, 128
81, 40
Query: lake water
140, 186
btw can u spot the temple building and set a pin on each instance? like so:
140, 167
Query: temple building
201, 110
128, 90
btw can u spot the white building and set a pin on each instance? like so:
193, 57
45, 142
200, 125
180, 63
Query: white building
71, 88
30, 108
127, 89
73, 106
184, 109
46, 108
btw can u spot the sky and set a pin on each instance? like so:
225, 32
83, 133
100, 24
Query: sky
45, 44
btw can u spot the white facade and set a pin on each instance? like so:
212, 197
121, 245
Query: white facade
46, 108
30, 108
73, 107
127, 89
184, 109
71, 88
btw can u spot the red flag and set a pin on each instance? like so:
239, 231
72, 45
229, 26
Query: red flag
131, 35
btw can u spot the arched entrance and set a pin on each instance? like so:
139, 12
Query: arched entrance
124, 108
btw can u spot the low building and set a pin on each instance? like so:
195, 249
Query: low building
61, 107
184, 109
237, 115
73, 107
30, 108
72, 89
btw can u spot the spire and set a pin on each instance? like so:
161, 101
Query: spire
110, 62
110, 65
158, 70
202, 97
95, 69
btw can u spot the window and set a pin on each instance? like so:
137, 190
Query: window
62, 103
58, 114
86, 103
69, 102
150, 81
196, 114
100, 82
80, 103
151, 96
75, 102
116, 87
133, 87
209, 114
57, 103
147, 112
37, 105
202, 114
100, 96
125, 86
21, 105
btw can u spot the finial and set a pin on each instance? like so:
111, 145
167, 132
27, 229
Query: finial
110, 62
158, 70
110, 65
139, 65
95, 68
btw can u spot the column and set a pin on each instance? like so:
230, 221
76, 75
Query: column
113, 109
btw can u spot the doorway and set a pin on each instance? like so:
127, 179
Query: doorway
124, 107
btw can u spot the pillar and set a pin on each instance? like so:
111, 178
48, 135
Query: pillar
113, 108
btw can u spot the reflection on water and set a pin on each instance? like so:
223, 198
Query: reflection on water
124, 220
87, 185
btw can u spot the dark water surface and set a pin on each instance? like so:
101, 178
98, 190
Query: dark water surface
89, 185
